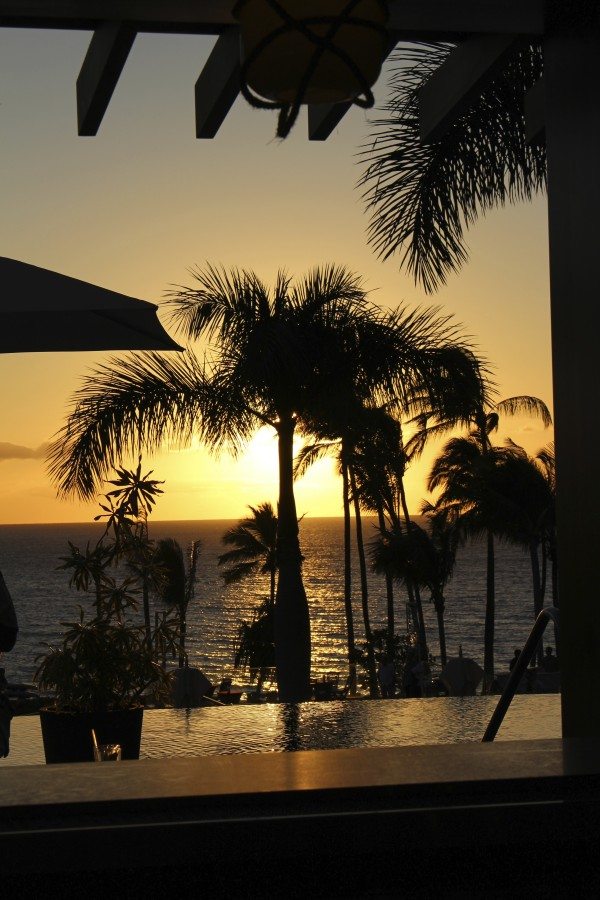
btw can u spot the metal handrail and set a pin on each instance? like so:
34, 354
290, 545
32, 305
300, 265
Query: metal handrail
548, 614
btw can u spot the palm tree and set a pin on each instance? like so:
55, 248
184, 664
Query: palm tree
309, 454
256, 646
525, 501
474, 406
546, 460
421, 196
380, 464
465, 473
255, 541
417, 556
275, 355
177, 582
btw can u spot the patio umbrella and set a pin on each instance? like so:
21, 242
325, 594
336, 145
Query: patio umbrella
461, 676
41, 310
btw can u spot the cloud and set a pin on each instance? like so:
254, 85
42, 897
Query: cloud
16, 451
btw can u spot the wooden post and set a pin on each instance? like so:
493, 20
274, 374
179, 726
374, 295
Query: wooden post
572, 79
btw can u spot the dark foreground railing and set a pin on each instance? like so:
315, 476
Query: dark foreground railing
549, 614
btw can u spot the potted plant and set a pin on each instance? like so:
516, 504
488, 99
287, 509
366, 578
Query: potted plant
106, 666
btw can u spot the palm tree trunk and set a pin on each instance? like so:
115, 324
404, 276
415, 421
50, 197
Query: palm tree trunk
292, 622
182, 636
538, 600
364, 590
389, 588
422, 634
490, 615
272, 586
439, 604
348, 581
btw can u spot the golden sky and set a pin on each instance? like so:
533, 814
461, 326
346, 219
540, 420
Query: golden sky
133, 208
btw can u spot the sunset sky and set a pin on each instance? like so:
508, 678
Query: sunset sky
133, 208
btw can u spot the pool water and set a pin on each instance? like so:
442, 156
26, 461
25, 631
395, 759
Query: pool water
272, 728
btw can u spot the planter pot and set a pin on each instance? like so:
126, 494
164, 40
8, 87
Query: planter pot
67, 735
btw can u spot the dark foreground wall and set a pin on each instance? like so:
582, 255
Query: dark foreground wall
467, 820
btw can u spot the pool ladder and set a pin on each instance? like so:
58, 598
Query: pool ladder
548, 614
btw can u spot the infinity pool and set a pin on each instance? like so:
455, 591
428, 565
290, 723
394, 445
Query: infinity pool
318, 726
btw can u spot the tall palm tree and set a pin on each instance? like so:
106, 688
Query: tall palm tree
422, 557
476, 408
546, 460
465, 474
274, 356
421, 196
380, 464
309, 454
255, 541
177, 582
526, 508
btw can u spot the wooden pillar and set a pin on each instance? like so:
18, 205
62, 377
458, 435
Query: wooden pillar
572, 85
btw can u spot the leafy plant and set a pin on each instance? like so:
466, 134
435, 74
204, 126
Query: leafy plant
108, 661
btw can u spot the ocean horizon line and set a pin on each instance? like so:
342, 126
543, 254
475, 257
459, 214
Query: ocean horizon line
157, 521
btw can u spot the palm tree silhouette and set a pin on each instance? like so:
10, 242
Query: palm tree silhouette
255, 547
177, 582
464, 473
421, 196
475, 407
422, 557
274, 356
526, 513
433, 363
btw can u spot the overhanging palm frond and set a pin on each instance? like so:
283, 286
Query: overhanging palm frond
421, 196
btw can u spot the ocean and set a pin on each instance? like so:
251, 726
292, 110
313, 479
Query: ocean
30, 554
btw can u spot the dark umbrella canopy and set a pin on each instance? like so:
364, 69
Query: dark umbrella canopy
461, 676
41, 310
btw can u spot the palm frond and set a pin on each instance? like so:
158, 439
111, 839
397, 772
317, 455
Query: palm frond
133, 402
421, 196
309, 454
526, 406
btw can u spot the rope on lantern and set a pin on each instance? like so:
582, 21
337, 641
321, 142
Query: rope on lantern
288, 112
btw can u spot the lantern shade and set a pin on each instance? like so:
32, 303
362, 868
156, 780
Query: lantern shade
280, 55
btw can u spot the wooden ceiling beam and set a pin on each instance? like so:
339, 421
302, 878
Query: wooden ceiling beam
453, 87
413, 18
102, 66
447, 17
218, 84
323, 118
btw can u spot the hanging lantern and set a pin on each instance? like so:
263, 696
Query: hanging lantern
310, 51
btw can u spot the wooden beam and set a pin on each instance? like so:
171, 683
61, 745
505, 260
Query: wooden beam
414, 18
453, 87
535, 113
218, 84
449, 17
180, 16
323, 118
102, 66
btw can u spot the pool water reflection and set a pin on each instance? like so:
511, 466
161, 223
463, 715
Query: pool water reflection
318, 726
